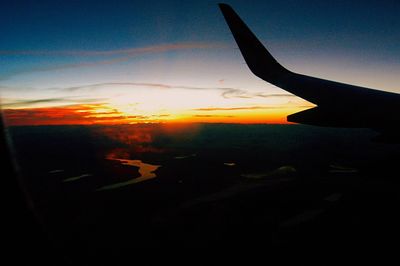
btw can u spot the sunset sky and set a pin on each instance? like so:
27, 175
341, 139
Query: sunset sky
110, 62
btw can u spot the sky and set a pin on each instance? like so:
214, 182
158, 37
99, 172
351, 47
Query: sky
111, 62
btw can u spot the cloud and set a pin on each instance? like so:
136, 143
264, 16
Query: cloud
15, 103
162, 115
227, 92
208, 116
78, 114
18, 103
234, 108
125, 55
74, 114
239, 93
99, 85
47, 116
129, 51
140, 84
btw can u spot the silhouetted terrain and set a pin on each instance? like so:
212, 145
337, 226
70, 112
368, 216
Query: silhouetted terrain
218, 185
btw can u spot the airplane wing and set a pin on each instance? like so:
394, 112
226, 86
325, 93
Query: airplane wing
338, 104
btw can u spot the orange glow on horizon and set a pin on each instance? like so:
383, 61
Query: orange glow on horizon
101, 114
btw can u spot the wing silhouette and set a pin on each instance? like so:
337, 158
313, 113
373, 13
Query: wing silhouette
338, 104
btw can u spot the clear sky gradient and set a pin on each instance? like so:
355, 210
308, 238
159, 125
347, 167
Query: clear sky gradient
85, 62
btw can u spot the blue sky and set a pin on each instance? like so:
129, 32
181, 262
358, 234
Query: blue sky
48, 46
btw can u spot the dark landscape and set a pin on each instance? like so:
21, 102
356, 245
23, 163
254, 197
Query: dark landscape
216, 185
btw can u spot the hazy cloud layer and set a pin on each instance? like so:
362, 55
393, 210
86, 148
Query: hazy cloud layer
239, 93
211, 116
124, 55
78, 114
235, 108
140, 84
227, 93
15, 103
129, 51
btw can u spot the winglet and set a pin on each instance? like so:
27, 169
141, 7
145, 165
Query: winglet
257, 57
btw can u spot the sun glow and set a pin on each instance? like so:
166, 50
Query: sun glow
161, 106
156, 104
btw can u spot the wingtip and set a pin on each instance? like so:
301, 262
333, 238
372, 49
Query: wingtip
257, 57
224, 6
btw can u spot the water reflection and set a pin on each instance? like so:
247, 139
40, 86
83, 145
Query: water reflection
56, 171
281, 171
185, 156
74, 178
335, 168
146, 172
